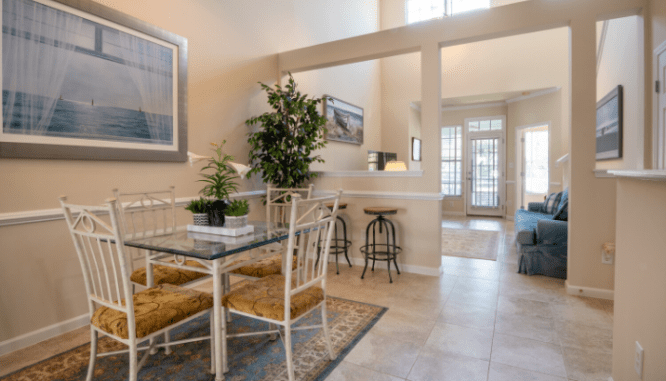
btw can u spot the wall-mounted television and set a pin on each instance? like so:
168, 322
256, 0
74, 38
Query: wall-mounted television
609, 125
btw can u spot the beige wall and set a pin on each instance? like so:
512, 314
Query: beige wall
456, 205
517, 63
621, 64
640, 299
232, 45
401, 85
542, 109
640, 285
358, 84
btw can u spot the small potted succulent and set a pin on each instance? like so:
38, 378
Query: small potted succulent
236, 214
199, 209
220, 183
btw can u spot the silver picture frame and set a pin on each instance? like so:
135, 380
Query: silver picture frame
173, 148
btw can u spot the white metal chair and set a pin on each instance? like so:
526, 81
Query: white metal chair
277, 211
144, 214
284, 299
106, 273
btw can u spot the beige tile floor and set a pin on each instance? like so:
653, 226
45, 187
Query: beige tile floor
479, 320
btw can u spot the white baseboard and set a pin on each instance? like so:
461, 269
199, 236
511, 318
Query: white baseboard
414, 269
42, 334
447, 213
590, 292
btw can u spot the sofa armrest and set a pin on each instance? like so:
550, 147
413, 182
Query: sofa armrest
552, 232
535, 206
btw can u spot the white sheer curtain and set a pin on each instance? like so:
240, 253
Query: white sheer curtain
150, 66
37, 45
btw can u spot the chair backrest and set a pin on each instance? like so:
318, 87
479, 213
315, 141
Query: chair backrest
144, 214
315, 222
101, 250
278, 202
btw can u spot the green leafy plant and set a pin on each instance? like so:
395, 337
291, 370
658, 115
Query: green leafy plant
237, 208
198, 206
222, 180
282, 149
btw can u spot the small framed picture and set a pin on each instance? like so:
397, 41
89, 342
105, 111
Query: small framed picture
416, 149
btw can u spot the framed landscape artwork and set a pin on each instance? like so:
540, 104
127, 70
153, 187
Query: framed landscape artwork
609, 126
344, 121
83, 81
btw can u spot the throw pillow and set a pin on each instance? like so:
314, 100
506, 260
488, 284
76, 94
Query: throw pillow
563, 212
551, 203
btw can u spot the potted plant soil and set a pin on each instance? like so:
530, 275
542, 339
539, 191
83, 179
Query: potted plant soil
219, 183
236, 214
199, 209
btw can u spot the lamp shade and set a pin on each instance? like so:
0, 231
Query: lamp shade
395, 166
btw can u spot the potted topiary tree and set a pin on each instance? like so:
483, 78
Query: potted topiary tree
219, 183
282, 149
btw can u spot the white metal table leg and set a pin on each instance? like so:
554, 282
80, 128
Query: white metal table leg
220, 351
150, 282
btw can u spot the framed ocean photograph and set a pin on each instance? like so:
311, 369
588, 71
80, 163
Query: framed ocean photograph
84, 81
609, 126
344, 121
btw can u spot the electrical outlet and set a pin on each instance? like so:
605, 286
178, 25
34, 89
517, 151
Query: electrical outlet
606, 259
638, 360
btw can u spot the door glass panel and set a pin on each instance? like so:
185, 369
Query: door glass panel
496, 124
484, 125
485, 173
473, 126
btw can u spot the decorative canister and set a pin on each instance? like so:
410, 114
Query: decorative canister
235, 222
200, 219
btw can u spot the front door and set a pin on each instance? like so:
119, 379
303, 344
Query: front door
485, 171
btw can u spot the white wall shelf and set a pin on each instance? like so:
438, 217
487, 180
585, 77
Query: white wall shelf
371, 173
643, 174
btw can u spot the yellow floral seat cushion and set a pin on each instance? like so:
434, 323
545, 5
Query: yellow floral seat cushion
263, 268
168, 275
265, 298
154, 309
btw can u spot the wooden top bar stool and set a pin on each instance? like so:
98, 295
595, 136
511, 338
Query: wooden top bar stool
381, 251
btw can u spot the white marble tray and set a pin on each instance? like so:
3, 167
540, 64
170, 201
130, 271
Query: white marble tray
221, 230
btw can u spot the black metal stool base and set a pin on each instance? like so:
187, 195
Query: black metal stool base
339, 245
381, 251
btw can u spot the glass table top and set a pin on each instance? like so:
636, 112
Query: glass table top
212, 246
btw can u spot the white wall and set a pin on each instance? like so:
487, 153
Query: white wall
621, 64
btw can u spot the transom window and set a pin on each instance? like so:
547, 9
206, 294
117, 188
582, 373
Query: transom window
485, 125
452, 161
421, 10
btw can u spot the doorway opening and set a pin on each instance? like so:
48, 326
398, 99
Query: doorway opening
533, 154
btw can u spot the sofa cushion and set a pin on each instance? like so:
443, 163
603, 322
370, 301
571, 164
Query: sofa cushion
551, 203
525, 223
562, 213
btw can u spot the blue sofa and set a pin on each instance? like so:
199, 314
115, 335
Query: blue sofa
541, 238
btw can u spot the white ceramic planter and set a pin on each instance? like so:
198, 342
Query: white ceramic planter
200, 219
235, 222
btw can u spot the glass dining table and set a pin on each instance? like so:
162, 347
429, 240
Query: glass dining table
219, 255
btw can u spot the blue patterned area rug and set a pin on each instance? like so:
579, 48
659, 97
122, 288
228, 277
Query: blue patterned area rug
250, 358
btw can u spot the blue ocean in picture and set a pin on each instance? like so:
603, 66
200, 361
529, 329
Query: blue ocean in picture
81, 120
